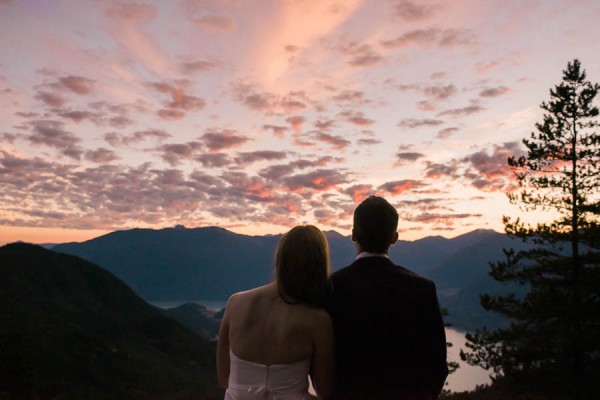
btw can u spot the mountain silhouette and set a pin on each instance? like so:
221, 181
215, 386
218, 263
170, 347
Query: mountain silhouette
212, 263
70, 329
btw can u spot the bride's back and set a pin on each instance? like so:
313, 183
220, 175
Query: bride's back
266, 330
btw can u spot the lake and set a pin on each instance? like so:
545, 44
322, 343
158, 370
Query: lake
465, 378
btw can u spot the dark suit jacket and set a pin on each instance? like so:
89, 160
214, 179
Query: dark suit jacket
388, 329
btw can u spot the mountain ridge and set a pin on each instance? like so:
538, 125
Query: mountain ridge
211, 263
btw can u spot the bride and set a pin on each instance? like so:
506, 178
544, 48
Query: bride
274, 336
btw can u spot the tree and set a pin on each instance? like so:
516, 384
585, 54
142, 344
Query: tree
552, 346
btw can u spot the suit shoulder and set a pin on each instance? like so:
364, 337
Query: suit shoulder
412, 274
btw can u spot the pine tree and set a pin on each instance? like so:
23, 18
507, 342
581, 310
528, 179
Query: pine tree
552, 346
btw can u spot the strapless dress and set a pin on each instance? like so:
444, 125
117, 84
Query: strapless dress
253, 381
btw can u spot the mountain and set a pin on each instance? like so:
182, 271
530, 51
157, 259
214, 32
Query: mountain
197, 318
212, 263
70, 329
181, 264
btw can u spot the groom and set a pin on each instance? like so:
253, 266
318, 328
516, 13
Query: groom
390, 340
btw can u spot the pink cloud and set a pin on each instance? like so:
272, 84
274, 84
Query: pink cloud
357, 118
446, 133
101, 156
412, 12
195, 67
251, 157
401, 186
335, 141
416, 123
213, 160
133, 12
432, 36
77, 84
219, 140
359, 192
319, 180
485, 67
213, 24
174, 153
494, 91
296, 122
50, 99
278, 131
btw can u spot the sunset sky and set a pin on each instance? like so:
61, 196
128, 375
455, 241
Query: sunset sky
260, 115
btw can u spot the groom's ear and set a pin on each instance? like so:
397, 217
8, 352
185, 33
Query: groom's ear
394, 238
353, 235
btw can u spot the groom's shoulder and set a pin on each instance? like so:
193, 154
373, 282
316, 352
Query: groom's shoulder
361, 266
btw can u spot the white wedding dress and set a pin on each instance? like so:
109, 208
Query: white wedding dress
253, 381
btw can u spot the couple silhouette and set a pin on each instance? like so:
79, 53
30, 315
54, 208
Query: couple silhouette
372, 330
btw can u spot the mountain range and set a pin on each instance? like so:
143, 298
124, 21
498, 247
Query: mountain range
70, 329
211, 263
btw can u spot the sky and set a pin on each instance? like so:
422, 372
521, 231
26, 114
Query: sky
260, 115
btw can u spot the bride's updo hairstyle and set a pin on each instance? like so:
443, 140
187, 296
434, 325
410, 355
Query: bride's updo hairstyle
302, 266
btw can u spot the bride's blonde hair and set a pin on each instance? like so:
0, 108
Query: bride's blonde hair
302, 266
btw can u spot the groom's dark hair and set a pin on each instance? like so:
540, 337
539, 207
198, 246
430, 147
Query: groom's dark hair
375, 222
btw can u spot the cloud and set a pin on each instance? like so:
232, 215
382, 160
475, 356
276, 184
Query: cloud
409, 11
50, 99
494, 91
180, 103
357, 118
52, 134
252, 188
445, 219
195, 67
276, 172
490, 172
77, 84
214, 24
351, 96
432, 36
213, 160
358, 192
174, 153
446, 133
319, 180
101, 155
269, 103
324, 125
416, 123
224, 139
359, 54
368, 141
116, 139
246, 158
485, 67
277, 130
401, 186
473, 108
404, 157
296, 122
483, 170
337, 142
133, 12
438, 170
440, 92
78, 116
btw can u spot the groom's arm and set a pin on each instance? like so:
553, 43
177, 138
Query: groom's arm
436, 336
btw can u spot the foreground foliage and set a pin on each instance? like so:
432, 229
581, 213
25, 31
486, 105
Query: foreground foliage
71, 330
552, 348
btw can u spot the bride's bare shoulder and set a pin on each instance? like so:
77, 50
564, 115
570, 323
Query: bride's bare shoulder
249, 295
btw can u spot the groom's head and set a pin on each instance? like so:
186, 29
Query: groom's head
375, 225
